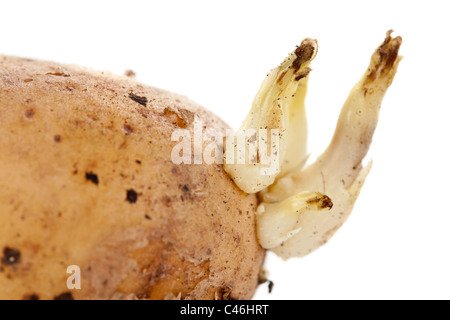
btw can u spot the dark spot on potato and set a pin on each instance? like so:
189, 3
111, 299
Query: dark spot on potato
144, 112
160, 271
92, 177
123, 144
138, 161
27, 80
187, 192
179, 119
10, 256
132, 196
32, 296
57, 74
148, 217
57, 138
64, 296
166, 201
128, 129
29, 113
141, 100
226, 294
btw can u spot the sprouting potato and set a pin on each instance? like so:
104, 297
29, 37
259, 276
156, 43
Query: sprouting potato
88, 181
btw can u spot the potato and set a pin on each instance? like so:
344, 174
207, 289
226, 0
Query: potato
86, 179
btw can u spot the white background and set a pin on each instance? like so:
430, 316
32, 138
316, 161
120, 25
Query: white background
396, 243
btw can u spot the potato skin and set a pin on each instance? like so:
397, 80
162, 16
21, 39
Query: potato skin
86, 179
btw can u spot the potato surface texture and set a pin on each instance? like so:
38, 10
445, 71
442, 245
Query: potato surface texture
86, 179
